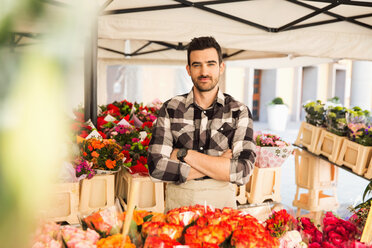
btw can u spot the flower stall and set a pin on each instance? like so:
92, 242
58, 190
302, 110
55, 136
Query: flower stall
110, 175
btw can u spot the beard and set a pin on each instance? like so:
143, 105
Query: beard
205, 86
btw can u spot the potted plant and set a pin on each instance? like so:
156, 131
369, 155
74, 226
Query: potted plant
336, 120
277, 114
315, 113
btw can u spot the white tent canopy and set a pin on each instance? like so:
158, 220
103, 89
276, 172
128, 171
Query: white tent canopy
263, 28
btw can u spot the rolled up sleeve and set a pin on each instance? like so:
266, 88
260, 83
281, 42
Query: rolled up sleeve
243, 147
161, 167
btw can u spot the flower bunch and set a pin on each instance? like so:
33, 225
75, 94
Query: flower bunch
271, 140
336, 233
279, 223
162, 241
360, 133
104, 154
47, 235
309, 232
121, 108
135, 154
152, 228
315, 113
123, 135
115, 241
82, 167
75, 237
105, 222
336, 120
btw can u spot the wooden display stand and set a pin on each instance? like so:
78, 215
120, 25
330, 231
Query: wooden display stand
368, 174
151, 196
241, 194
63, 204
314, 175
329, 145
355, 156
308, 136
264, 185
313, 172
96, 193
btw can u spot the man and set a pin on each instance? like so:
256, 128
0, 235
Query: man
202, 141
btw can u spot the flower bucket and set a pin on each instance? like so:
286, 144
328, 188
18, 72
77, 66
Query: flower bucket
268, 157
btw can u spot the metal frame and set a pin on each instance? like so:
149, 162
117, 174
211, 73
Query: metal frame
90, 91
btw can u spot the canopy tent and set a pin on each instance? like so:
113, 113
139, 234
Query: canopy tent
245, 29
158, 31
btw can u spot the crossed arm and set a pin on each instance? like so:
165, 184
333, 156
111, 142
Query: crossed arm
206, 165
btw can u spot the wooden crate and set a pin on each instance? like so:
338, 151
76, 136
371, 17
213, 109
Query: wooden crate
355, 156
264, 185
151, 197
368, 174
96, 193
329, 145
312, 172
63, 203
308, 136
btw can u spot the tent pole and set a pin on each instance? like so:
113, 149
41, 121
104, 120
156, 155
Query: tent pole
90, 74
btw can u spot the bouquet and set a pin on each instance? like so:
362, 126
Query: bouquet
279, 223
83, 169
115, 241
359, 126
74, 237
104, 154
315, 113
105, 222
271, 150
47, 236
336, 120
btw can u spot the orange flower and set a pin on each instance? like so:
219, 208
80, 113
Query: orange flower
85, 154
109, 163
95, 154
115, 241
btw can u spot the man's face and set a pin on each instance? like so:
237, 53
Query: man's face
204, 69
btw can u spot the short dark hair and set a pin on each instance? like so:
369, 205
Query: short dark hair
201, 43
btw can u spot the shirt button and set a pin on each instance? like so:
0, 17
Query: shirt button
204, 112
221, 128
201, 148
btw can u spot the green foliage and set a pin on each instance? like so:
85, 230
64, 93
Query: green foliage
336, 120
277, 100
315, 113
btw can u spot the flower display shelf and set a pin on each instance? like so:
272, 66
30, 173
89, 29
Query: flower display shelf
311, 172
264, 185
151, 196
329, 145
355, 156
96, 193
368, 174
308, 136
63, 203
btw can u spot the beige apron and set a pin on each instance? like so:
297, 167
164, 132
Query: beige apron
218, 194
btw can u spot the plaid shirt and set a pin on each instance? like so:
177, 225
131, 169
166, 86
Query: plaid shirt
227, 124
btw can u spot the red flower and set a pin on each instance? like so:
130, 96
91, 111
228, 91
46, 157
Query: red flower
147, 124
113, 110
145, 142
100, 122
84, 134
142, 161
102, 134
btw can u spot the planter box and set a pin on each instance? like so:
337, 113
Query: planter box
264, 185
329, 145
151, 195
308, 136
96, 193
368, 174
355, 156
312, 172
63, 203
